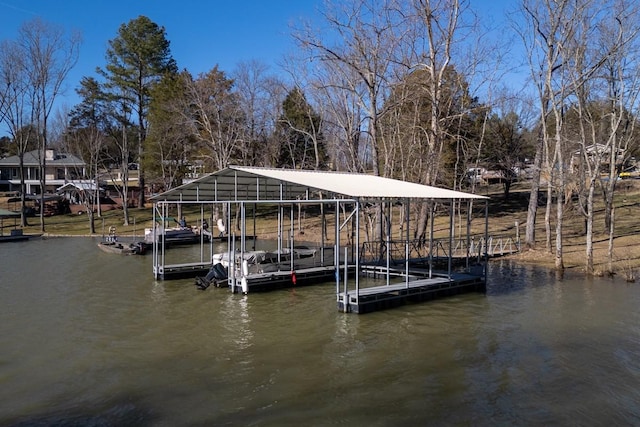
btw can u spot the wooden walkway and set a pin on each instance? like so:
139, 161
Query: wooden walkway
394, 295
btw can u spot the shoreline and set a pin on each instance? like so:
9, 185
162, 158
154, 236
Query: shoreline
573, 260
504, 213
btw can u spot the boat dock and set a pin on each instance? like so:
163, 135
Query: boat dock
365, 229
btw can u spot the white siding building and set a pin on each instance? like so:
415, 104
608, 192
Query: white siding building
60, 170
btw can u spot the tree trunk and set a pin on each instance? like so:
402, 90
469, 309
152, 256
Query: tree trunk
125, 176
559, 202
532, 210
422, 221
547, 216
589, 221
92, 221
43, 183
608, 203
141, 183
611, 230
23, 189
559, 261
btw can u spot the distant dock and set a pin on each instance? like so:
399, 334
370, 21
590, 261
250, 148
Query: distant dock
17, 236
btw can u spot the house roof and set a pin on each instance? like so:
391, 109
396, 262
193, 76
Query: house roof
601, 149
237, 183
32, 158
78, 185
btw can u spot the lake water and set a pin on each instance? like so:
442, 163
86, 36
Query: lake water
89, 338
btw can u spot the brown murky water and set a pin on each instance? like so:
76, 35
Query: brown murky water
88, 338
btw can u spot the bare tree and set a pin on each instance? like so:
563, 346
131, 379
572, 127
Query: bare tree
118, 128
618, 46
606, 87
447, 47
343, 119
48, 56
85, 136
17, 112
259, 96
360, 48
363, 54
567, 49
216, 119
547, 29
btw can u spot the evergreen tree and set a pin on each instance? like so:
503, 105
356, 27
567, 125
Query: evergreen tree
302, 144
136, 59
505, 147
169, 144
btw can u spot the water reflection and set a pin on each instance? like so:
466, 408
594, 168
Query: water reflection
90, 338
244, 332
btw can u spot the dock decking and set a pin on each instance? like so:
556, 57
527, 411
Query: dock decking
368, 299
389, 296
262, 282
182, 271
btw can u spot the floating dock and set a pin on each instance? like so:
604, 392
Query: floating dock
182, 271
263, 282
421, 285
18, 237
394, 295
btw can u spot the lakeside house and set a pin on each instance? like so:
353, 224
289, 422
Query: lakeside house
60, 169
65, 180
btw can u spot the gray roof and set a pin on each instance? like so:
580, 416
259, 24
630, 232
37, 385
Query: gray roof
31, 158
238, 183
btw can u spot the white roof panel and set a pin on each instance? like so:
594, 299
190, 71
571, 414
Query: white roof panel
252, 183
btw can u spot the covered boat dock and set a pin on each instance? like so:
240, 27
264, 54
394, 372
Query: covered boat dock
365, 242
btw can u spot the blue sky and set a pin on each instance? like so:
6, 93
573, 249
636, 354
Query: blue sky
202, 33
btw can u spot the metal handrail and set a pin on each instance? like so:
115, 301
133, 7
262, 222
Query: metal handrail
376, 251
